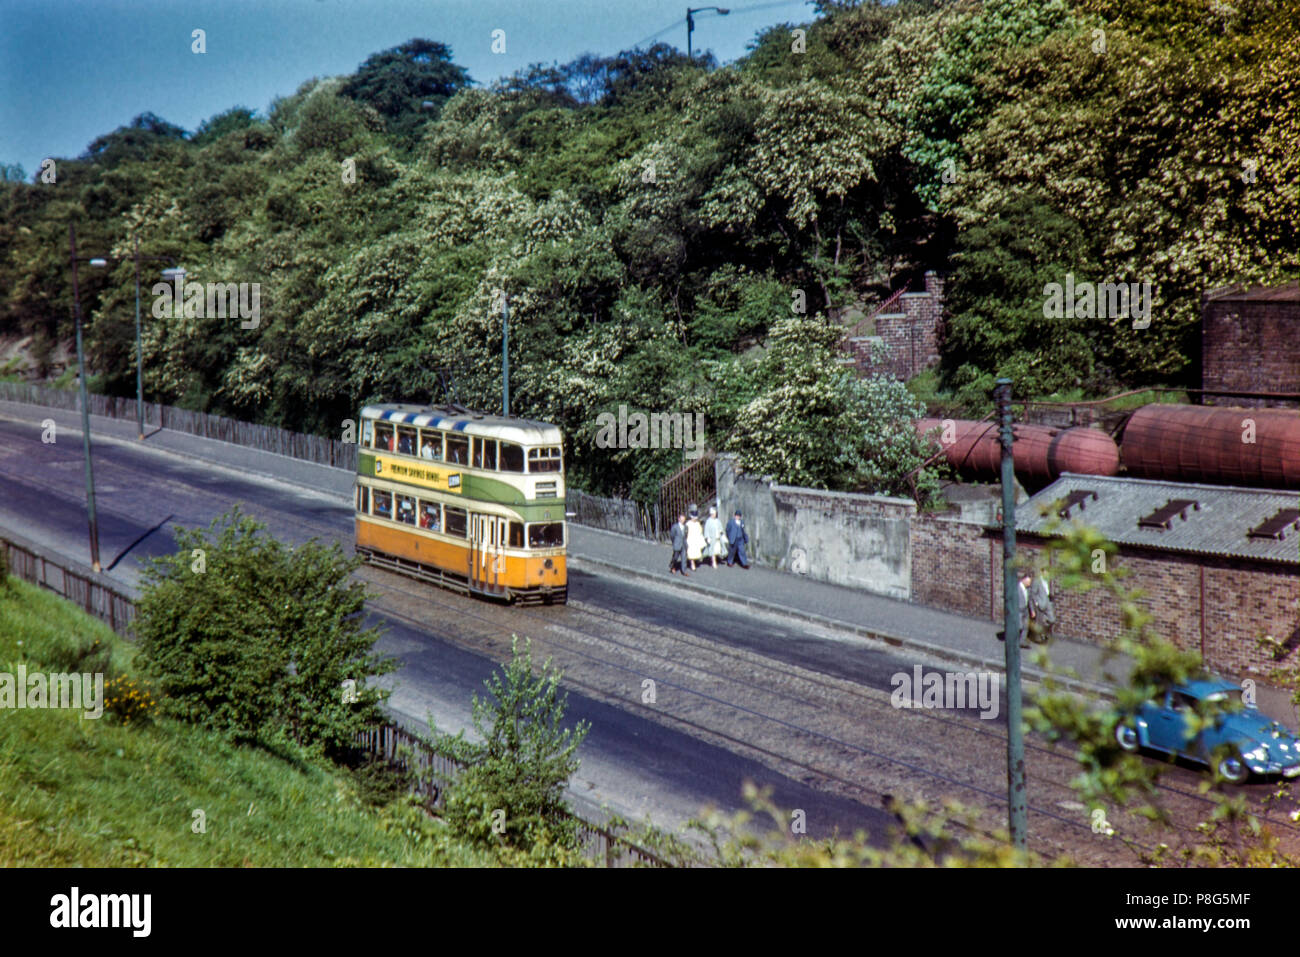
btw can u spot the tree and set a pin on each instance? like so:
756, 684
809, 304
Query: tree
408, 84
811, 422
511, 789
253, 638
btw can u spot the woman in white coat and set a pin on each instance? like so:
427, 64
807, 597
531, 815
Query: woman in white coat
715, 546
694, 538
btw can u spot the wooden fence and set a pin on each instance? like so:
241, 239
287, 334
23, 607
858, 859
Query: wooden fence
34, 565
266, 438
432, 772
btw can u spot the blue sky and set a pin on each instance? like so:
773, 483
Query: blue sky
71, 70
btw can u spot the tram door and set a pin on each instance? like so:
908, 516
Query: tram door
487, 560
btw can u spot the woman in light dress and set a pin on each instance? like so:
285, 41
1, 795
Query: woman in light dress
714, 546
694, 538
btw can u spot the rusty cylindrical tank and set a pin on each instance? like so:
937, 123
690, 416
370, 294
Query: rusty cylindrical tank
1214, 444
1041, 453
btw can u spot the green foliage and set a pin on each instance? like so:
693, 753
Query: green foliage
511, 791
812, 423
986, 137
255, 639
1140, 664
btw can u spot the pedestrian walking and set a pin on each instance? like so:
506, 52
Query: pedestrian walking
677, 536
694, 539
1041, 613
714, 548
737, 539
1026, 578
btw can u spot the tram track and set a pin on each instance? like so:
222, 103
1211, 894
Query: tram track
790, 738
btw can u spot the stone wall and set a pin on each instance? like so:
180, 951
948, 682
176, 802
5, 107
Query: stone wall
862, 541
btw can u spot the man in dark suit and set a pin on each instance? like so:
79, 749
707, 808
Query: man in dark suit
737, 538
677, 536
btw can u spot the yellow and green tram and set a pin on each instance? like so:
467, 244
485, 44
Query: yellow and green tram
462, 499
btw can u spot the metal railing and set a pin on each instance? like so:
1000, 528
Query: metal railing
265, 438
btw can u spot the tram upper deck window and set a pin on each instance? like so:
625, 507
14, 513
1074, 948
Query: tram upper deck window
546, 535
384, 437
431, 444
545, 459
367, 433
406, 440
485, 453
512, 457
457, 449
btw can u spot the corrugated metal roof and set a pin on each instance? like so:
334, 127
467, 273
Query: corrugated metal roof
1221, 526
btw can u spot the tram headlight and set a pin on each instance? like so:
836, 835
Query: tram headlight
548, 563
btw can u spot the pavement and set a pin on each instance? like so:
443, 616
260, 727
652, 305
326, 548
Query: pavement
963, 640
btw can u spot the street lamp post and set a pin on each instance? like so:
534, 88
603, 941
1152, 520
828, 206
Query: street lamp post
85, 407
139, 348
102, 261
505, 357
690, 24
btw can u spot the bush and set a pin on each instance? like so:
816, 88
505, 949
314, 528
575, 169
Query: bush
129, 699
511, 791
256, 639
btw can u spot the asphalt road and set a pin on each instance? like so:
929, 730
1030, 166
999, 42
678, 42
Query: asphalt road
630, 765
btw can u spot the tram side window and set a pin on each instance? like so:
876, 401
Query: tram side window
430, 516
516, 535
512, 457
455, 519
367, 433
384, 436
485, 454
406, 509
545, 459
457, 449
405, 440
363, 499
383, 504
431, 444
546, 535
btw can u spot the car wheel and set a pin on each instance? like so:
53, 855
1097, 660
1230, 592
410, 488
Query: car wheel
1233, 770
1126, 736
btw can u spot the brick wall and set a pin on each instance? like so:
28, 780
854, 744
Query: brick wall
957, 566
1250, 346
909, 331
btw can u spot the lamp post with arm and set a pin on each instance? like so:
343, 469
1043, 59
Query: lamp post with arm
690, 24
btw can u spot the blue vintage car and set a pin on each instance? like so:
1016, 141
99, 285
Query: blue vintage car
1242, 741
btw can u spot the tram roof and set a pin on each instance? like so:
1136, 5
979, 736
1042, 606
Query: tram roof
523, 431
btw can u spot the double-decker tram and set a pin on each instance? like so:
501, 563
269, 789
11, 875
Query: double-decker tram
466, 500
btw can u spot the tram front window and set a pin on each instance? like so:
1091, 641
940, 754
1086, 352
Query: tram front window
546, 535
546, 459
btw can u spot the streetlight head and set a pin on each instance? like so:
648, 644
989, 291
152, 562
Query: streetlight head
176, 273
723, 11
101, 263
